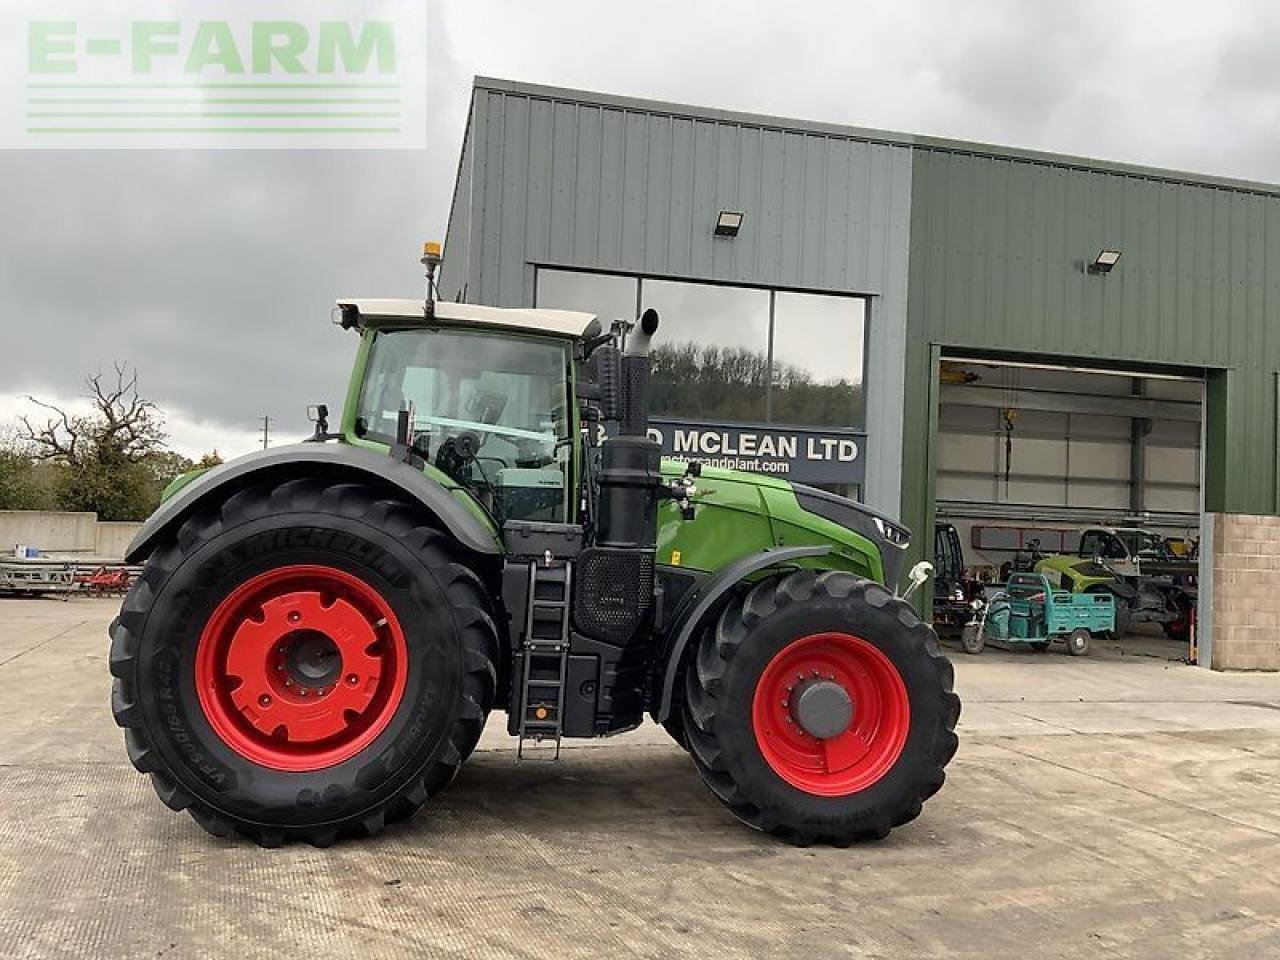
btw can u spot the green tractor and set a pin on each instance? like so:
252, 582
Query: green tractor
321, 630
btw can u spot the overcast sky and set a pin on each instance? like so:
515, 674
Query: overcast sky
214, 272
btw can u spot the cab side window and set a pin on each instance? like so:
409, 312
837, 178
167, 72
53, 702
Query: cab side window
1114, 549
1091, 544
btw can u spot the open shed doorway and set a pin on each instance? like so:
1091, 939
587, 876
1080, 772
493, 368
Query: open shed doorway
1088, 476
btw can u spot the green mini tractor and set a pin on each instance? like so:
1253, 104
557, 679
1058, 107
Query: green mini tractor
321, 630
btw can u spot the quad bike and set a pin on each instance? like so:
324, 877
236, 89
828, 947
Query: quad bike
321, 630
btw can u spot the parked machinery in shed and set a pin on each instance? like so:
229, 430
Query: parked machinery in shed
953, 591
1150, 583
321, 630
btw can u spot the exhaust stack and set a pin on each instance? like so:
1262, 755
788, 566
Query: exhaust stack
635, 376
629, 462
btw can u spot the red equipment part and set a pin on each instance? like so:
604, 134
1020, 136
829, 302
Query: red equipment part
301, 667
866, 749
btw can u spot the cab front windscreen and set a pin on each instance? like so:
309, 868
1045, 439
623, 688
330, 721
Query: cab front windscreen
503, 395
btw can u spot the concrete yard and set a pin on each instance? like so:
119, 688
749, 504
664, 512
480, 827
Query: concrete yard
1100, 807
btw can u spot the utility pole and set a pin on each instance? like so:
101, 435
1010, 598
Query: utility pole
266, 431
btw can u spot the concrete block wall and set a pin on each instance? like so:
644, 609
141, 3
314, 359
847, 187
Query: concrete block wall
51, 531
1246, 592
48, 531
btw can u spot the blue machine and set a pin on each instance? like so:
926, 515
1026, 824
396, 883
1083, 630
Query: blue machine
1031, 611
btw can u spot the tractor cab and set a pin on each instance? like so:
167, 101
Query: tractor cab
487, 397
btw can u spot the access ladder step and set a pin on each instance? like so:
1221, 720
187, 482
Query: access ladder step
545, 660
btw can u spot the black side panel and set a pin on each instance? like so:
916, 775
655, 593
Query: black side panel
325, 460
613, 594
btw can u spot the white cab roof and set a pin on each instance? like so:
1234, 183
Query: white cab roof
561, 323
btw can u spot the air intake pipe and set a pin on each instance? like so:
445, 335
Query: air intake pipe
629, 462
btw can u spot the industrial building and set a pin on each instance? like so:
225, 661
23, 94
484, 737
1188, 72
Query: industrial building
1023, 344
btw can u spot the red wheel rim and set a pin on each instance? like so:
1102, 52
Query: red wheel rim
866, 749
301, 667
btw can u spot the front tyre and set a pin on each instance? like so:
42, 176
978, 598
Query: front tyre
303, 661
819, 708
972, 640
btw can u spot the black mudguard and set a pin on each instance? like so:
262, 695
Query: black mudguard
322, 460
706, 598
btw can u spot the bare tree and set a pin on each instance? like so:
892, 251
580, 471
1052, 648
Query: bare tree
123, 426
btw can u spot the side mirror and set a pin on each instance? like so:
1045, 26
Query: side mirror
318, 413
919, 574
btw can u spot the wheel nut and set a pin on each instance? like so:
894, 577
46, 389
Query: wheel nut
294, 616
265, 700
352, 679
302, 693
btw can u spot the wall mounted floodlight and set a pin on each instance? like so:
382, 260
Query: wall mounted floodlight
728, 223
1104, 261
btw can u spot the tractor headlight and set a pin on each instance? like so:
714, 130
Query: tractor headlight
899, 537
975, 604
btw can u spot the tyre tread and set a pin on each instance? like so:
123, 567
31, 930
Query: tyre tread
721, 641
473, 612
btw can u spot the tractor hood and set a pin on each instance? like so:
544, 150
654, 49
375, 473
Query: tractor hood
1074, 573
739, 513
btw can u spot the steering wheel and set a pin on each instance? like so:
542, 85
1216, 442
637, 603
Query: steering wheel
456, 453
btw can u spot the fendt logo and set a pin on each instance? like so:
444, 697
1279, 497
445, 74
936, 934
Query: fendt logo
185, 73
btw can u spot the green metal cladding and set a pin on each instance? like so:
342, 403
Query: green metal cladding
998, 252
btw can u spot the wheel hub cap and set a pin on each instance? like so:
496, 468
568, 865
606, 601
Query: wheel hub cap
822, 708
313, 659
301, 667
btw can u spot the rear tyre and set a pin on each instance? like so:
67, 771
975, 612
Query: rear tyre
820, 708
1078, 642
303, 661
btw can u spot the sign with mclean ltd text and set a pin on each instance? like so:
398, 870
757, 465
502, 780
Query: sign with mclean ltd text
802, 454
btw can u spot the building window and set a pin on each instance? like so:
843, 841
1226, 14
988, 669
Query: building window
817, 360
609, 297
717, 343
735, 361
711, 358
